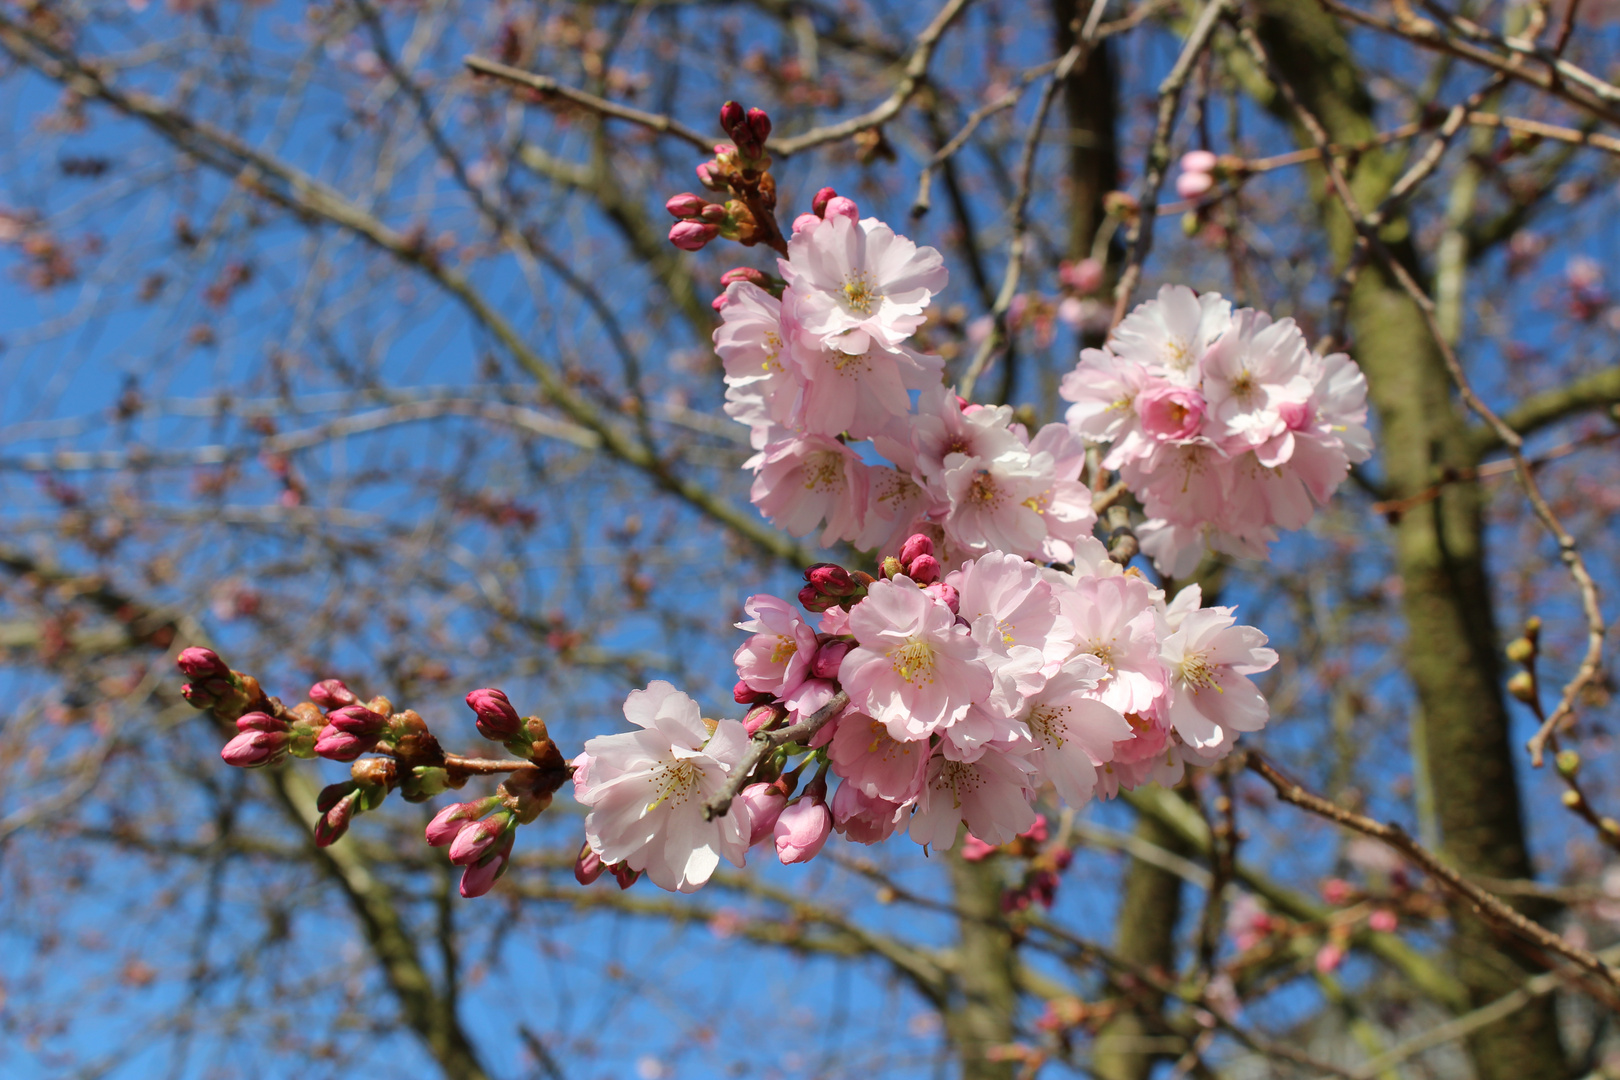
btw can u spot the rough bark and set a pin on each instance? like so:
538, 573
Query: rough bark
1452, 645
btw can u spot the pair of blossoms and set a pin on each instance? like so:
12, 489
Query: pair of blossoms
1224, 424
968, 696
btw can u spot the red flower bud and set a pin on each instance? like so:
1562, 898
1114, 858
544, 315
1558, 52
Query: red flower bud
839, 206
829, 657
587, 866
497, 720
199, 663
258, 721
731, 115
335, 821
449, 822
766, 712
748, 274
357, 720
759, 124
814, 600
685, 205
253, 748
832, 579
924, 570
692, 235
335, 745
625, 876
477, 840
823, 197
916, 544
332, 694
743, 694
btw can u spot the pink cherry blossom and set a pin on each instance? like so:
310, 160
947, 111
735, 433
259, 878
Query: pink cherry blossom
864, 753
1170, 412
858, 283
751, 342
1207, 660
1072, 731
991, 501
802, 829
991, 795
646, 791
809, 480
915, 669
1113, 619
866, 819
777, 658
1167, 336
1249, 375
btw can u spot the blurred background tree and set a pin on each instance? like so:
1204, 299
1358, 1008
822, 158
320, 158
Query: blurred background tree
324, 348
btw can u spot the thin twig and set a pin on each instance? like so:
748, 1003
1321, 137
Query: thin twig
1488, 907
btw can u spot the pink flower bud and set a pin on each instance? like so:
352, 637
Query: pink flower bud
844, 208
748, 274
1084, 277
710, 176
625, 876
685, 205
335, 821
1198, 161
357, 720
474, 842
828, 657
251, 748
588, 866
976, 850
478, 880
802, 829
945, 594
335, 745
332, 694
823, 197
743, 694
199, 663
197, 697
1329, 957
766, 712
692, 235
805, 222
809, 596
448, 823
497, 720
713, 214
1190, 185
731, 115
1037, 832
1336, 891
258, 721
759, 123
831, 579
916, 544
1383, 920
924, 570
765, 803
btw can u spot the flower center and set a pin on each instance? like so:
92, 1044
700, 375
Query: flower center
1102, 650
824, 470
1047, 723
959, 778
860, 293
784, 650
1197, 672
983, 490
914, 662
675, 781
842, 360
773, 349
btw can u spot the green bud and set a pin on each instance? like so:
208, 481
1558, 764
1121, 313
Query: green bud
1568, 762
1572, 798
1190, 223
1532, 627
1521, 650
1523, 687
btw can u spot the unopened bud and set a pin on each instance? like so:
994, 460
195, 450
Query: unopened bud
831, 579
340, 802
198, 663
423, 782
819, 204
260, 721
1571, 798
1190, 223
759, 124
692, 235
916, 544
1532, 627
812, 599
250, 749
685, 205
761, 715
748, 274
891, 567
945, 594
332, 694
197, 696
478, 878
1521, 650
842, 207
802, 829
924, 570
448, 823
713, 213
1190, 185
829, 657
804, 223
731, 115
1198, 161
1523, 686
1568, 762
743, 694
497, 720
711, 176
625, 876
587, 865
1610, 827
473, 842
358, 720
765, 803
336, 745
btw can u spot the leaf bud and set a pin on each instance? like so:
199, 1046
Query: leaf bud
1571, 798
1521, 650
1523, 687
1568, 762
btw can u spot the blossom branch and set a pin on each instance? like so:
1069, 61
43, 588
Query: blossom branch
547, 87
763, 744
1483, 903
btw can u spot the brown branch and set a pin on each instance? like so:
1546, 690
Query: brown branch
763, 744
1490, 908
547, 87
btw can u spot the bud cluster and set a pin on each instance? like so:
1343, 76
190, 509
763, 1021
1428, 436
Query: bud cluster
740, 170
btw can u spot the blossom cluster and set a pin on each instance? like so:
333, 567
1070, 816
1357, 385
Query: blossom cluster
1223, 423
967, 697
826, 363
